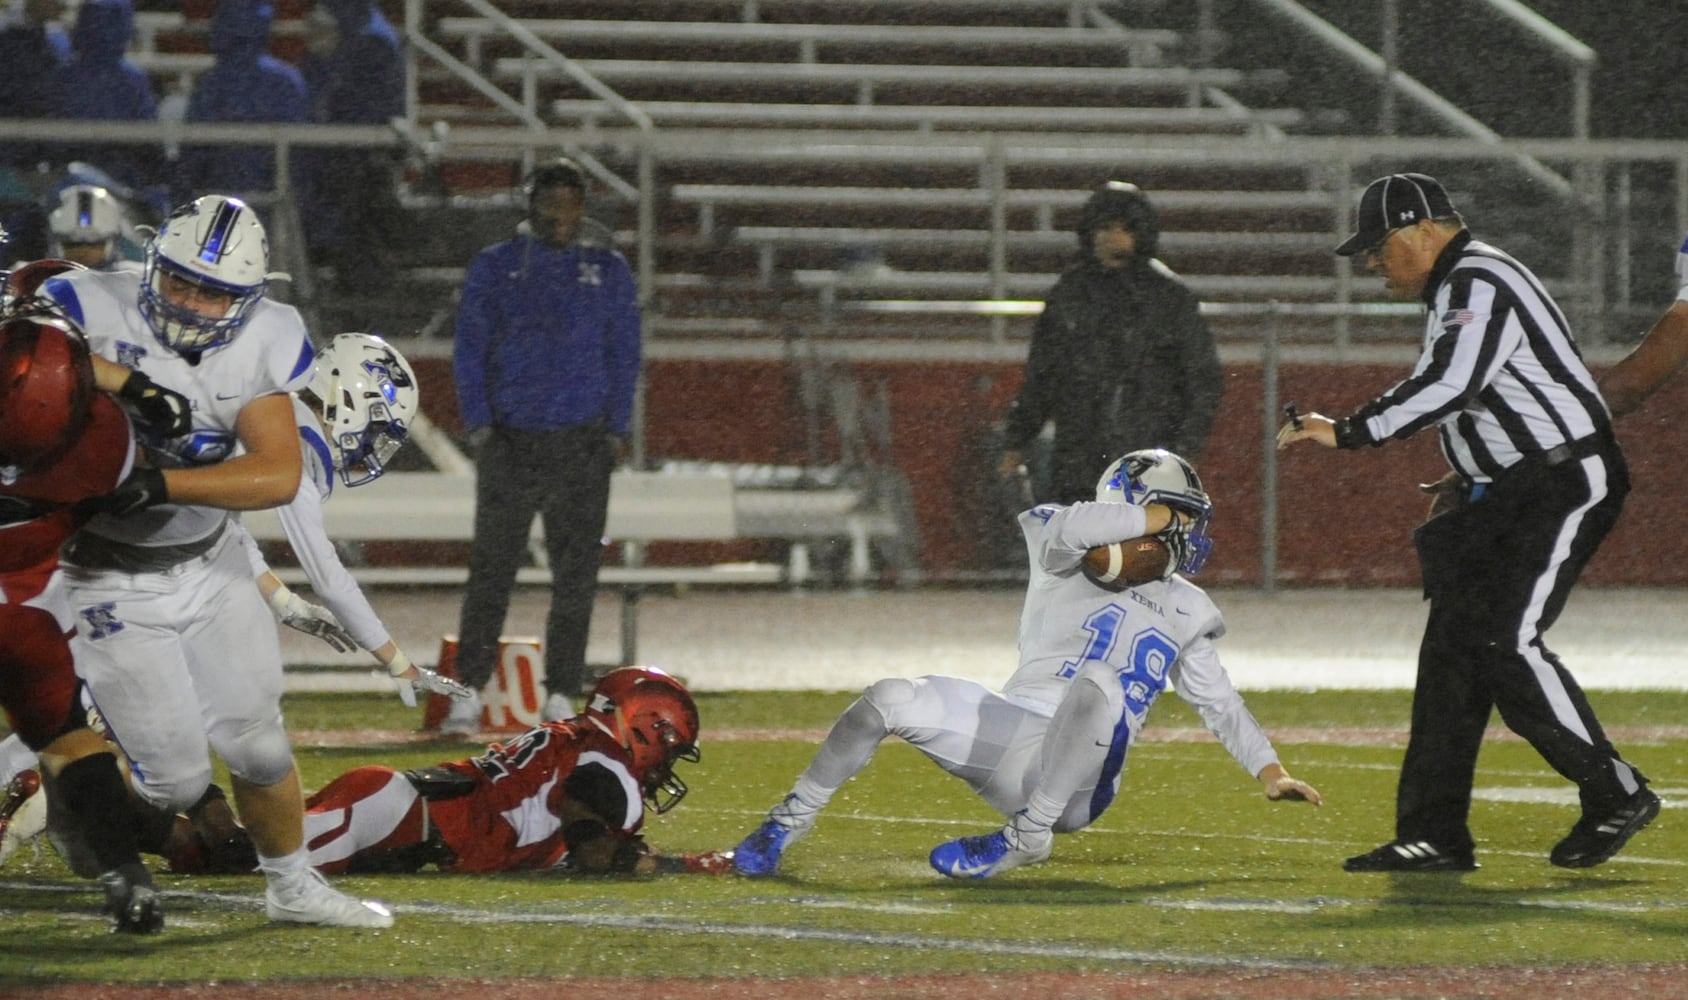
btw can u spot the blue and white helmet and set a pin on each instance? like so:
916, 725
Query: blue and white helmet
1155, 475
86, 214
218, 244
366, 395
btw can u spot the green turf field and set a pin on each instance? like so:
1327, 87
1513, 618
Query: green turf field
1191, 867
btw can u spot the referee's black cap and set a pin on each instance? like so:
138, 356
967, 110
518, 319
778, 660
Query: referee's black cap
1392, 202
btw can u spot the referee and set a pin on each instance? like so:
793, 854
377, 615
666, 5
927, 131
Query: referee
1537, 481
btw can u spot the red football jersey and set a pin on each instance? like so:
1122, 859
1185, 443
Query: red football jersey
35, 518
511, 820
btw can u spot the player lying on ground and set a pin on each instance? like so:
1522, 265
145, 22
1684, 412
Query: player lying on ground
1048, 750
566, 794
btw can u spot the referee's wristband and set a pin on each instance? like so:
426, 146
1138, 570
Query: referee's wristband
1351, 433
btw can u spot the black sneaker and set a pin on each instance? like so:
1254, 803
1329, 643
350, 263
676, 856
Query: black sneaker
1411, 856
131, 901
1595, 839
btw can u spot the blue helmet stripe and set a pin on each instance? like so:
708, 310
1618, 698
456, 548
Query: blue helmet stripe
211, 248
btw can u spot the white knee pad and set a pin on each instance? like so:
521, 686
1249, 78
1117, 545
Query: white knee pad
1096, 676
255, 751
176, 791
888, 695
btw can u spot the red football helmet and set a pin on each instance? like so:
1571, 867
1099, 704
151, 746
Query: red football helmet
653, 716
24, 280
46, 388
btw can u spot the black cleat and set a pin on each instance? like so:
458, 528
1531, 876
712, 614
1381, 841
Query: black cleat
1411, 856
131, 901
1595, 839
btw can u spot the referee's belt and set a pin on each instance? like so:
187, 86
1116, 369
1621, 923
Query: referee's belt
1574, 451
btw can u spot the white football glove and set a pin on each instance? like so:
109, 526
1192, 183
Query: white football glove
296, 612
424, 680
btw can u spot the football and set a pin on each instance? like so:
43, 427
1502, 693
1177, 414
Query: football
1126, 564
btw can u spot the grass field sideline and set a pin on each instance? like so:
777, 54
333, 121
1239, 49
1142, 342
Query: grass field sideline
1192, 869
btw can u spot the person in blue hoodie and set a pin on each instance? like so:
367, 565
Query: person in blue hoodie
245, 85
33, 48
100, 83
546, 362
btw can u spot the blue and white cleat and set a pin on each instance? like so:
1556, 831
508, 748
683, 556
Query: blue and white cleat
990, 854
759, 853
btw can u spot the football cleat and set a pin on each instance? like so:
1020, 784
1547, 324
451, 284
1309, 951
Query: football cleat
558, 708
311, 900
992, 853
23, 812
463, 718
131, 901
1594, 840
1411, 856
759, 853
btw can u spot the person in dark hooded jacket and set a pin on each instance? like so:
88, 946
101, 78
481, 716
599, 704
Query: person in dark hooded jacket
1120, 359
243, 85
101, 84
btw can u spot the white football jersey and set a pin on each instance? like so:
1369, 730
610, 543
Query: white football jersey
271, 354
1152, 635
307, 534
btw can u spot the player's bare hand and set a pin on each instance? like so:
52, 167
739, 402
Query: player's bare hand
1288, 789
1310, 427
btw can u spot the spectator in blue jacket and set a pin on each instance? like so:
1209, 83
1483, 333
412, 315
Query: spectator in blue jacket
360, 81
546, 363
100, 83
246, 85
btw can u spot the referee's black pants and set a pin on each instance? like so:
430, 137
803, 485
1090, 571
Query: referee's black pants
1497, 571
563, 476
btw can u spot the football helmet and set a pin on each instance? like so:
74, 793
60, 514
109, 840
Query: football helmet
1155, 475
218, 245
24, 280
46, 388
653, 716
366, 396
86, 216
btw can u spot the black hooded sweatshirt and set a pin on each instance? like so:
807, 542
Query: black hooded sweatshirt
1120, 359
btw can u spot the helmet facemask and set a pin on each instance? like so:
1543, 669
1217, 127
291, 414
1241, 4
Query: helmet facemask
1158, 476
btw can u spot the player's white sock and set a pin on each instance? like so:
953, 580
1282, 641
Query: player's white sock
846, 750
287, 872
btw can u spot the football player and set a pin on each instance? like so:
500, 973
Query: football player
569, 794
1048, 750
61, 441
352, 418
87, 228
182, 660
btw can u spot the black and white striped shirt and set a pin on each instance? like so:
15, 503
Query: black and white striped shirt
1500, 374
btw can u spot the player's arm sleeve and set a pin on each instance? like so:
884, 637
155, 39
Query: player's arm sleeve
1068, 532
475, 317
254, 554
1200, 679
302, 521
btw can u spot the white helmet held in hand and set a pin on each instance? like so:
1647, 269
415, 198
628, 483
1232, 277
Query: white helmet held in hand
366, 395
1155, 475
212, 248
86, 216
